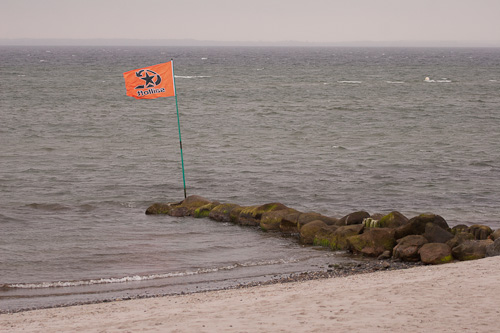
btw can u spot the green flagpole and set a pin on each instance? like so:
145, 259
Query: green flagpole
179, 126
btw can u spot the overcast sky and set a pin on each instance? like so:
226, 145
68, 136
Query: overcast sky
254, 20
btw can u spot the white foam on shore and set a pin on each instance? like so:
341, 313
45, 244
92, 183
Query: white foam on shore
137, 278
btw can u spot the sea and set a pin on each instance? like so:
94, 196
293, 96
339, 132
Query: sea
322, 129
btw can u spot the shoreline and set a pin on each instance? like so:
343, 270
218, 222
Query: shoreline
359, 265
445, 298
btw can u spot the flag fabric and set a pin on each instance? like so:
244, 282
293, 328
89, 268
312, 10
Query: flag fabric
151, 82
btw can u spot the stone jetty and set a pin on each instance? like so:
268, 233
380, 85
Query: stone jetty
427, 237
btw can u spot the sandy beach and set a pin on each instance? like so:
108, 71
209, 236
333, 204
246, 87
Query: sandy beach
462, 296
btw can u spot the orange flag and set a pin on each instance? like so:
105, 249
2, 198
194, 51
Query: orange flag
150, 82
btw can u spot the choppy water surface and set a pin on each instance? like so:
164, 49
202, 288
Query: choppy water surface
331, 130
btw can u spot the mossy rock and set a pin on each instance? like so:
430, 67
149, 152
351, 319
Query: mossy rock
408, 247
435, 253
204, 211
471, 249
338, 238
222, 212
459, 229
354, 218
309, 231
159, 208
459, 238
416, 225
271, 221
495, 235
392, 220
373, 242
480, 232
251, 215
324, 235
306, 218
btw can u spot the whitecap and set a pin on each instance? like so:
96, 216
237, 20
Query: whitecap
395, 82
347, 81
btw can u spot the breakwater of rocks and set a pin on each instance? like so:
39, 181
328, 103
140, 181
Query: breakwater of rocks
425, 238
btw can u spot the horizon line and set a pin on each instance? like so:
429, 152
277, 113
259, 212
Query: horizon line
196, 42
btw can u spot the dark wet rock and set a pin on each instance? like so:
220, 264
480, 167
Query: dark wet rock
354, 218
435, 253
222, 213
459, 228
373, 242
493, 249
471, 250
436, 234
377, 216
459, 238
186, 207
309, 230
271, 221
416, 225
392, 220
179, 211
480, 232
408, 246
305, 218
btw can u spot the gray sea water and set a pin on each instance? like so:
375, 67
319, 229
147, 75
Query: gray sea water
331, 130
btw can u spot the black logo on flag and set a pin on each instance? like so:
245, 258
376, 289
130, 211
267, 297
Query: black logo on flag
151, 79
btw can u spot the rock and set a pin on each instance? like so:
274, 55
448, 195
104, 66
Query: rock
308, 231
408, 247
459, 228
354, 218
493, 249
370, 223
179, 211
377, 216
416, 225
392, 220
338, 239
159, 208
480, 232
459, 239
251, 216
471, 249
222, 213
495, 235
436, 234
385, 255
435, 253
373, 242
204, 211
271, 221
305, 218
324, 235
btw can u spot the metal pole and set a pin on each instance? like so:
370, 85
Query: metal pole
179, 126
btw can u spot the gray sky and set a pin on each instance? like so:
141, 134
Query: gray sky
254, 20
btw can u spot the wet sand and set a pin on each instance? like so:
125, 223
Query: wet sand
462, 296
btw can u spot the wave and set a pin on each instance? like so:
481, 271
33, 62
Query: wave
348, 81
138, 278
443, 80
395, 82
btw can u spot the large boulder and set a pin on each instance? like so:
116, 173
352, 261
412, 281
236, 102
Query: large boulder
271, 221
436, 234
305, 218
392, 220
160, 208
408, 247
471, 250
337, 240
480, 232
416, 225
493, 249
373, 242
324, 235
435, 253
204, 211
459, 239
187, 207
353, 218
251, 215
309, 231
222, 213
